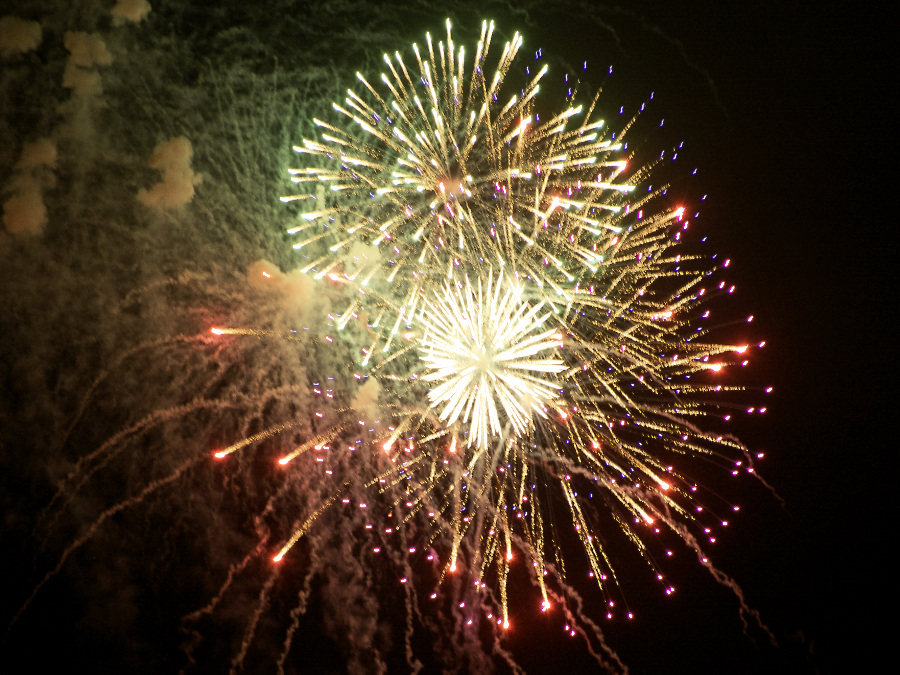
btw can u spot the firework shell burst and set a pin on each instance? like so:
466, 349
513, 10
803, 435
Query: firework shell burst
478, 345
513, 260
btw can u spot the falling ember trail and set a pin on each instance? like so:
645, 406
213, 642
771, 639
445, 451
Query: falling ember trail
79, 475
296, 612
238, 662
268, 433
113, 510
309, 521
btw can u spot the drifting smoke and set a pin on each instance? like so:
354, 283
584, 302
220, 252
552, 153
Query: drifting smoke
130, 10
18, 36
88, 51
24, 212
173, 158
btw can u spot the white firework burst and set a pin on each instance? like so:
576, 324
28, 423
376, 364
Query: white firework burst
445, 185
482, 346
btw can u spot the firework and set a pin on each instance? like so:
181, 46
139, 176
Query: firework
499, 275
564, 376
469, 183
480, 346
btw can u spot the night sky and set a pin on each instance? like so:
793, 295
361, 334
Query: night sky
102, 298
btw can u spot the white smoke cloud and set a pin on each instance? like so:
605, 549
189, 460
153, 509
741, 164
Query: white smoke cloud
37, 154
173, 158
24, 212
87, 51
18, 36
82, 82
298, 289
362, 254
130, 10
366, 400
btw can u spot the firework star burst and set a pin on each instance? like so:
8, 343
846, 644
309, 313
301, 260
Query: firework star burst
561, 374
480, 346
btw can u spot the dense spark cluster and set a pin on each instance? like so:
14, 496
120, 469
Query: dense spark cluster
480, 346
470, 183
589, 401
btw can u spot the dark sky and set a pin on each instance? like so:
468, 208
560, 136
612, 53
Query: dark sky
784, 112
